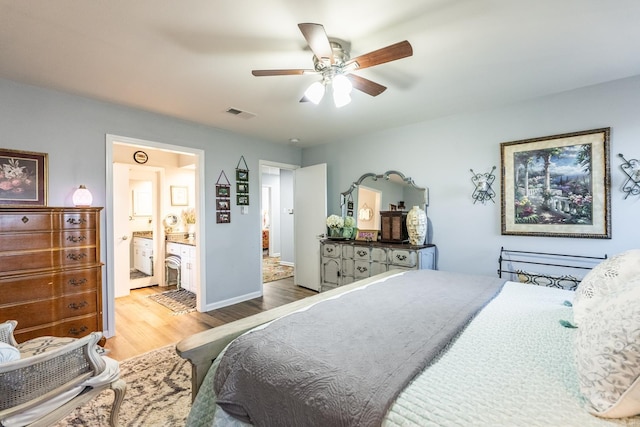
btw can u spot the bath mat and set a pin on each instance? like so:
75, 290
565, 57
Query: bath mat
180, 301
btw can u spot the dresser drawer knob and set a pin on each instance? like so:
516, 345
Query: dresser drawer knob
74, 306
76, 221
76, 331
25, 219
401, 257
362, 269
76, 239
74, 282
77, 257
362, 253
329, 250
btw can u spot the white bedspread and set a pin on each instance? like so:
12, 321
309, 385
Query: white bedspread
512, 366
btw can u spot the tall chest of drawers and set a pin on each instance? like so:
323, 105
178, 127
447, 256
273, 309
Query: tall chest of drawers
50, 271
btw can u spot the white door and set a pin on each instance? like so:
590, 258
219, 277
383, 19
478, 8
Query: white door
309, 223
121, 237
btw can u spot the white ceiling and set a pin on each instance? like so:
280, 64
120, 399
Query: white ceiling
192, 59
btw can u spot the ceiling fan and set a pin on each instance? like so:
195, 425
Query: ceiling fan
332, 62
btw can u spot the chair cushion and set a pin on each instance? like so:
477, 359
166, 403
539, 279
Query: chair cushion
8, 352
42, 345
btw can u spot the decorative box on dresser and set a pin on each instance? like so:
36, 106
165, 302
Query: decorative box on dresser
50, 271
344, 262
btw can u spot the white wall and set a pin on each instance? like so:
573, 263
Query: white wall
273, 182
438, 154
72, 130
287, 250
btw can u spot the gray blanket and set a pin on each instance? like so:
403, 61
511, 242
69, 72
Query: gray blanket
343, 362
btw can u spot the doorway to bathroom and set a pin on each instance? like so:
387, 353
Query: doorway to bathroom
142, 195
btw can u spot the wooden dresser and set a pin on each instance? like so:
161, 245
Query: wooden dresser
50, 271
344, 262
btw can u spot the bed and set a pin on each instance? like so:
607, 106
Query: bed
509, 360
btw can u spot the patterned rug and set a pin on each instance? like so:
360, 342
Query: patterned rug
158, 393
180, 301
272, 270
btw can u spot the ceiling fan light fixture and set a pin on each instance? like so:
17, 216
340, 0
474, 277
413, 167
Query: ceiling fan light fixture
315, 92
342, 87
341, 99
341, 84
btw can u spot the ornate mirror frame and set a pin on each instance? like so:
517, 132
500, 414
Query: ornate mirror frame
347, 195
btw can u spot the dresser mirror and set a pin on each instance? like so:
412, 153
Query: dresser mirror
373, 193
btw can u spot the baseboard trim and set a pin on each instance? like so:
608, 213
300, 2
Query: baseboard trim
231, 301
287, 263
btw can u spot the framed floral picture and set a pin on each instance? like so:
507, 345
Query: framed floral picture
367, 235
23, 178
557, 186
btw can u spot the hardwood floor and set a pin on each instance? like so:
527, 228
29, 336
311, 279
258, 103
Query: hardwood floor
143, 325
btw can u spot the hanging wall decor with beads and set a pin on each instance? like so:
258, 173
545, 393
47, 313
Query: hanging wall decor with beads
242, 183
223, 199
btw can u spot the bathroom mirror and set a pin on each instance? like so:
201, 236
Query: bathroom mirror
142, 197
170, 220
373, 193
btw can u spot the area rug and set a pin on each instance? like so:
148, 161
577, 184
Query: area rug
272, 270
158, 393
180, 301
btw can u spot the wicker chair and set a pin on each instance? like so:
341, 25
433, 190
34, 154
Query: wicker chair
40, 389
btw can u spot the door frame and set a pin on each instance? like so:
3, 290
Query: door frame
109, 287
278, 165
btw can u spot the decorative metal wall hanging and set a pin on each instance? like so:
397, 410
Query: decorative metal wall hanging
632, 169
242, 183
223, 199
482, 190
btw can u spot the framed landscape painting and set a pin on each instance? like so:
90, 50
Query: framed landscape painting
557, 186
23, 178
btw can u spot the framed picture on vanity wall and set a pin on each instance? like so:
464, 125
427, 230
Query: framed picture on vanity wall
557, 186
179, 196
23, 178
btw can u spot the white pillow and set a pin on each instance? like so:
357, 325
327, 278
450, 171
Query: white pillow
607, 352
604, 279
8, 352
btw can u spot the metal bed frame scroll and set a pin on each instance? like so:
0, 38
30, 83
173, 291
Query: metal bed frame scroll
558, 270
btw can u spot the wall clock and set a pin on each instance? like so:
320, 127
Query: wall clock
140, 157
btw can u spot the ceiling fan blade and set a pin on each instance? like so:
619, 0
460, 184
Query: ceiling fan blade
366, 85
318, 41
390, 53
291, 72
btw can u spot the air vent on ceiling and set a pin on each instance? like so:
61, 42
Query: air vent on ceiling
240, 113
